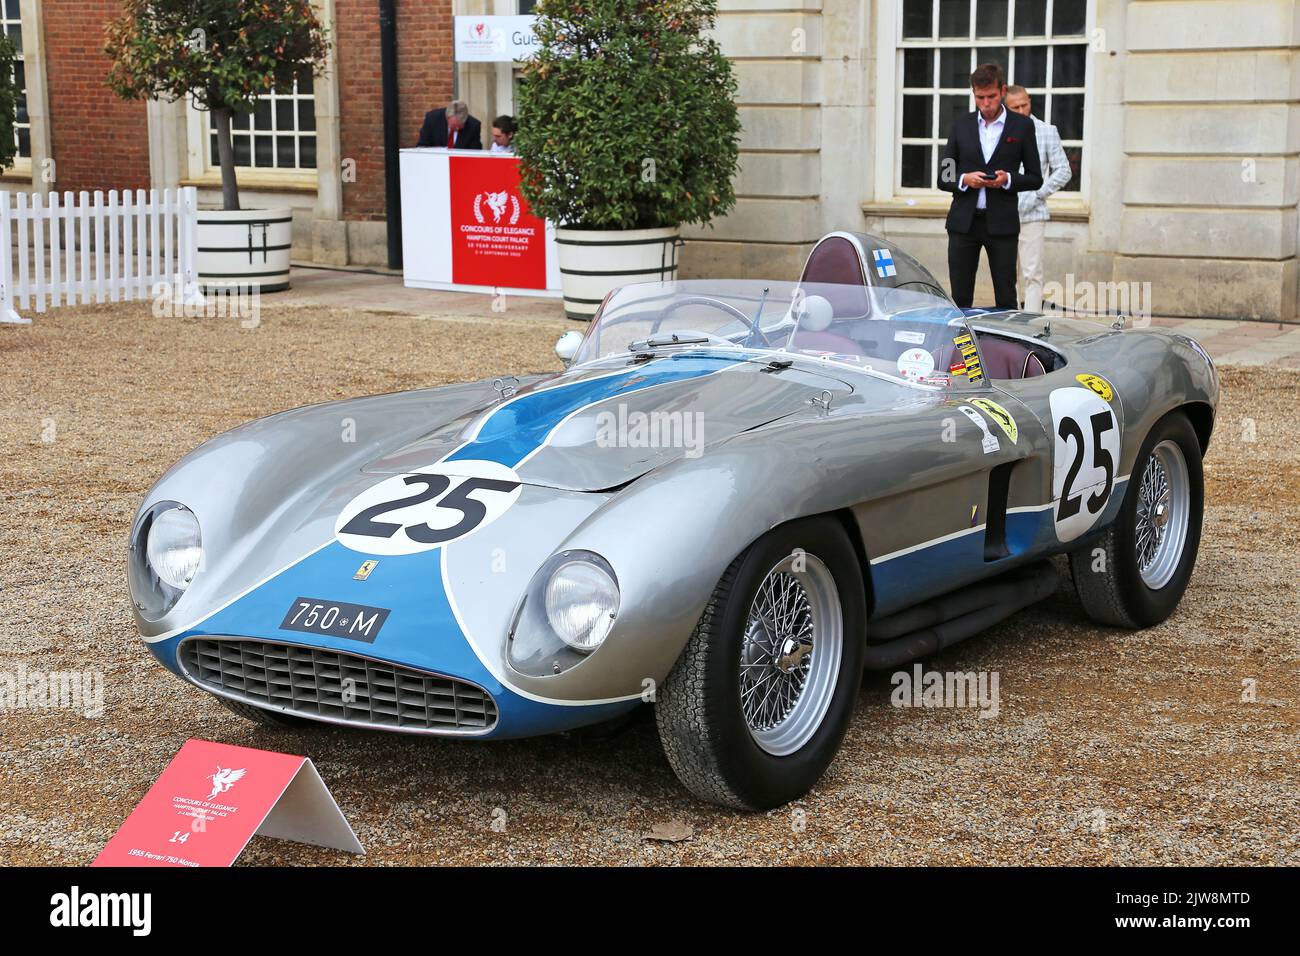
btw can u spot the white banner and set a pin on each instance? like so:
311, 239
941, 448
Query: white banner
494, 39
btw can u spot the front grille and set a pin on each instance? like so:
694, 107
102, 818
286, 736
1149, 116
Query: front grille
311, 682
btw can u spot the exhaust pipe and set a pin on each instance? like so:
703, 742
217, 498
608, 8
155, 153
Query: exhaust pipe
943, 621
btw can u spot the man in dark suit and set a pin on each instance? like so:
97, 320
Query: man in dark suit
982, 147
451, 127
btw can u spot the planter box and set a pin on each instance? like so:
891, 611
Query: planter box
594, 261
244, 248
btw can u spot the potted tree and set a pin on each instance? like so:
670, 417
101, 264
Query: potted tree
9, 96
628, 130
222, 54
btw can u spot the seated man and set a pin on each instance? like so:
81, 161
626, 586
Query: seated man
503, 135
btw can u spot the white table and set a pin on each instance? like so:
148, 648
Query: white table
467, 228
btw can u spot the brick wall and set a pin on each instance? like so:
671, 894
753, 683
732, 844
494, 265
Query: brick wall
424, 68
98, 140
102, 142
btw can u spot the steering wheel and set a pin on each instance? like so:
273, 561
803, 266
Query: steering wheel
731, 310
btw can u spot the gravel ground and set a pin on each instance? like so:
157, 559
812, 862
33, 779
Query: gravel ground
1109, 747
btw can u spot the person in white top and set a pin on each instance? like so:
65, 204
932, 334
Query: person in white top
503, 135
1033, 203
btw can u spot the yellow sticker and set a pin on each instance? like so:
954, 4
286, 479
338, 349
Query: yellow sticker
363, 572
999, 415
1097, 384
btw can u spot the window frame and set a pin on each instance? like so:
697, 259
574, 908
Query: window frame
889, 77
22, 165
198, 132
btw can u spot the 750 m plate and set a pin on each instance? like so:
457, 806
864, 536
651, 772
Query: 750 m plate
357, 622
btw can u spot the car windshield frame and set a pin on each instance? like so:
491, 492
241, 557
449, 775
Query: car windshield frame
927, 341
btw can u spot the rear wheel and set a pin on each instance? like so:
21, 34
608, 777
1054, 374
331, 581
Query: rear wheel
757, 704
1136, 573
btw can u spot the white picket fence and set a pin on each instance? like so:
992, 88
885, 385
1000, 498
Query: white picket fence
92, 248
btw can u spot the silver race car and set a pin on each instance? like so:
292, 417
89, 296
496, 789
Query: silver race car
735, 497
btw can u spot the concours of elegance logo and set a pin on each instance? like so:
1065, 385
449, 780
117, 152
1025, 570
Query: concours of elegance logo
482, 37
497, 203
224, 779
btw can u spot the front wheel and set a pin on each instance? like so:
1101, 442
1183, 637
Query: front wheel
756, 706
1136, 573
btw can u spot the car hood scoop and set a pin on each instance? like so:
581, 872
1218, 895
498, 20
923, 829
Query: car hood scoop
600, 427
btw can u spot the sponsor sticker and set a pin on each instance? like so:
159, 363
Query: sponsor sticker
970, 357
1097, 384
915, 363
911, 338
1000, 415
990, 441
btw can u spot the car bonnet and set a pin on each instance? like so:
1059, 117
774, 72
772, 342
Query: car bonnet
603, 425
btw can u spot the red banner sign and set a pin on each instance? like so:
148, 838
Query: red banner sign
495, 239
213, 798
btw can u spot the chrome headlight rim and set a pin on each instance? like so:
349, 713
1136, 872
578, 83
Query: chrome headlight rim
598, 574
152, 595
536, 647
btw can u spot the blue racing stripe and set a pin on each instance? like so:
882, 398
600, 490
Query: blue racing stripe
517, 428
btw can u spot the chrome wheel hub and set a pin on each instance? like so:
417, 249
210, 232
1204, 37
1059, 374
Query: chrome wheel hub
1163, 511
790, 659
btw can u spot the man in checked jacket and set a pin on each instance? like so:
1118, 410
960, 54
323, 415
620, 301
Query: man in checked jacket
1033, 203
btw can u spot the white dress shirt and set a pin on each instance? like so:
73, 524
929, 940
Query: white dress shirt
990, 133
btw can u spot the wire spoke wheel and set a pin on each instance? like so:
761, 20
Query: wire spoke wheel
1163, 509
790, 658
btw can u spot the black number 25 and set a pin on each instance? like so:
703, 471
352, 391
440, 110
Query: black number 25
1102, 422
472, 511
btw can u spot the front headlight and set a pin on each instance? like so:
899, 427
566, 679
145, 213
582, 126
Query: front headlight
581, 604
166, 553
173, 548
567, 612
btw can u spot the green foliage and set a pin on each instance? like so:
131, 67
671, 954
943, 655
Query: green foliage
221, 53
224, 53
9, 95
627, 115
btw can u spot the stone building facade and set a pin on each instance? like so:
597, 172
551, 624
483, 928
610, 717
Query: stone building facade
1181, 119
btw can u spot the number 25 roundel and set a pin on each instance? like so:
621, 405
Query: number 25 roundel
426, 509
1084, 458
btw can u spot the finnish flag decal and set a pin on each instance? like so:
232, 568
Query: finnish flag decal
884, 263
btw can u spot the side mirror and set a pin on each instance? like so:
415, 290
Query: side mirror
567, 346
816, 314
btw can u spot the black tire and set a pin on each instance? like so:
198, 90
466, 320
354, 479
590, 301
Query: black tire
271, 718
698, 708
1105, 570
